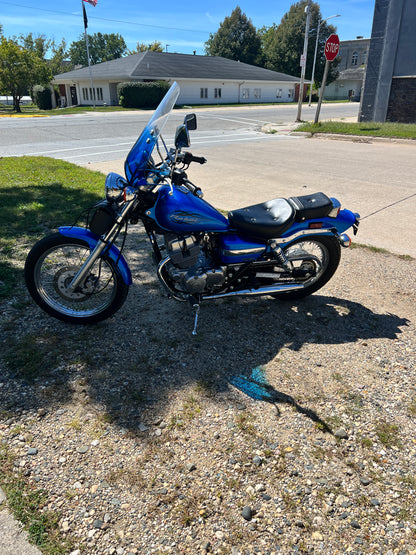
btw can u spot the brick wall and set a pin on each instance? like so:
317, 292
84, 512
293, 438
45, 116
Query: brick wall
402, 102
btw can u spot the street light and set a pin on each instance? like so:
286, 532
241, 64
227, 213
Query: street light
316, 49
303, 59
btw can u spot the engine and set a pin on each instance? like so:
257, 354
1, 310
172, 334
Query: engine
191, 268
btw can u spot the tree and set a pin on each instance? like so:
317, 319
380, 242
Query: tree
235, 39
154, 46
47, 50
20, 69
102, 47
283, 44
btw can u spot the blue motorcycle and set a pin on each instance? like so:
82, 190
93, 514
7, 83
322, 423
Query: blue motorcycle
286, 248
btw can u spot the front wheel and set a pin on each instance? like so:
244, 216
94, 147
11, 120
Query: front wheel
317, 258
50, 267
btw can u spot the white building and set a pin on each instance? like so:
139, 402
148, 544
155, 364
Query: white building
202, 79
349, 83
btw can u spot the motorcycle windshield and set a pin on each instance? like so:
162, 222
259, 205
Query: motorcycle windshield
138, 157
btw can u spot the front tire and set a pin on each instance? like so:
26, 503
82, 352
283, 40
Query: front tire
50, 267
327, 252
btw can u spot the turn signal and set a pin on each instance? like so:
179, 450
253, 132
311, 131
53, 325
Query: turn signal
129, 194
344, 240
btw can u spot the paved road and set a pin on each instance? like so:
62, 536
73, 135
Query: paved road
97, 137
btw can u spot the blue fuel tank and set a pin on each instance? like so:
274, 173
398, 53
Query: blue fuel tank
179, 211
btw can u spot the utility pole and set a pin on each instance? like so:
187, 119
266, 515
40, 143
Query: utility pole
303, 60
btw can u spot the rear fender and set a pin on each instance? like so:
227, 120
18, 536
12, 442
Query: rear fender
113, 253
330, 226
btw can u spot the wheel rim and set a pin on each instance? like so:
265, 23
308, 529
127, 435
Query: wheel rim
309, 255
55, 270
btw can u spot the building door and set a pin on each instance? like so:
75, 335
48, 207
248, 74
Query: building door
73, 93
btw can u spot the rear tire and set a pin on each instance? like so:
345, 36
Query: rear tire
327, 249
50, 267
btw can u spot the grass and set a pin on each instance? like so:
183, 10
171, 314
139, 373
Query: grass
388, 434
27, 504
38, 194
368, 129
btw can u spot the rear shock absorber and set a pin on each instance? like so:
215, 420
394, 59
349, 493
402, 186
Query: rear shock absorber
280, 255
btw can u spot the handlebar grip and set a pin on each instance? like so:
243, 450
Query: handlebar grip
188, 158
199, 159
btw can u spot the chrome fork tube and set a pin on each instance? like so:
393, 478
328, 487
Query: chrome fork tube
101, 245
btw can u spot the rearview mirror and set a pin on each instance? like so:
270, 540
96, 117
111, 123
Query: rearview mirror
190, 121
182, 137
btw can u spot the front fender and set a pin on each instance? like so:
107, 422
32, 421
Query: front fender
113, 253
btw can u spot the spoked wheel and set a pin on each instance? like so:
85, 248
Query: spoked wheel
51, 266
316, 259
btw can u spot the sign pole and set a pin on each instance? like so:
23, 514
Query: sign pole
321, 94
331, 52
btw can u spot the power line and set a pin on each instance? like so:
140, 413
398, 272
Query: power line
182, 30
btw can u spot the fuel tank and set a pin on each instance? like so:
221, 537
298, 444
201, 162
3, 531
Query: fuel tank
178, 210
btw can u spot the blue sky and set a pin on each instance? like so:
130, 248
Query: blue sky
183, 27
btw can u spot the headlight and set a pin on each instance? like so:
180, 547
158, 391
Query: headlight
114, 185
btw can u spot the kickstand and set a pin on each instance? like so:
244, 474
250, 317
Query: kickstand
197, 309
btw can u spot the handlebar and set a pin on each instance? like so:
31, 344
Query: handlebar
187, 158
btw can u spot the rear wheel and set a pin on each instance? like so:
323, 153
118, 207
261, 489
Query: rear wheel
317, 258
50, 267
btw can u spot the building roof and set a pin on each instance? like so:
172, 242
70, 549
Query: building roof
352, 74
166, 65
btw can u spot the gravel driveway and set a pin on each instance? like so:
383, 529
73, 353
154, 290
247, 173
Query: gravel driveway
279, 428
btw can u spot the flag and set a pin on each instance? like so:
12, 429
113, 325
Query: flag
85, 17
93, 2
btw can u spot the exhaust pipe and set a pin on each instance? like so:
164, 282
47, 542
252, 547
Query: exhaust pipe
268, 290
255, 292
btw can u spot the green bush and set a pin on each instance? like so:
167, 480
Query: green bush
141, 95
42, 97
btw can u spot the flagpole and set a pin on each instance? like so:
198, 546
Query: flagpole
88, 51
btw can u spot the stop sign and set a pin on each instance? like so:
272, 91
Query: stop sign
332, 48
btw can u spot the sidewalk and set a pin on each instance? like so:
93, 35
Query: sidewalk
13, 540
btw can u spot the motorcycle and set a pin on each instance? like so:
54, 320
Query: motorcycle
286, 248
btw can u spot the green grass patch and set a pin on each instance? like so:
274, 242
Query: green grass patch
369, 129
27, 504
38, 194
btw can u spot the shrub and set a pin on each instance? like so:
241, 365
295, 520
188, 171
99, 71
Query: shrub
42, 97
141, 95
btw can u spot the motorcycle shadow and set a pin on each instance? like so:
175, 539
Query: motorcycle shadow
239, 339
135, 364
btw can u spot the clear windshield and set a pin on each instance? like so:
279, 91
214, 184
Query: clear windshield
138, 157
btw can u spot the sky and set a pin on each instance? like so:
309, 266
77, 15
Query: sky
180, 26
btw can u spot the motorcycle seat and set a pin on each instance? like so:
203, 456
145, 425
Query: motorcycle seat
266, 220
311, 207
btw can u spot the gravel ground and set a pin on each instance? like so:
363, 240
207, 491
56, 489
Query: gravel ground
279, 428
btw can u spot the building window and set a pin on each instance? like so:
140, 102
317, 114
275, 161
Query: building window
99, 93
279, 93
364, 57
291, 93
257, 93
85, 94
217, 93
354, 60
204, 92
245, 93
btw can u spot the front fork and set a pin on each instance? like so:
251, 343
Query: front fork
103, 243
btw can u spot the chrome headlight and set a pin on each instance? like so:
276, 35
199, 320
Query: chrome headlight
114, 185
